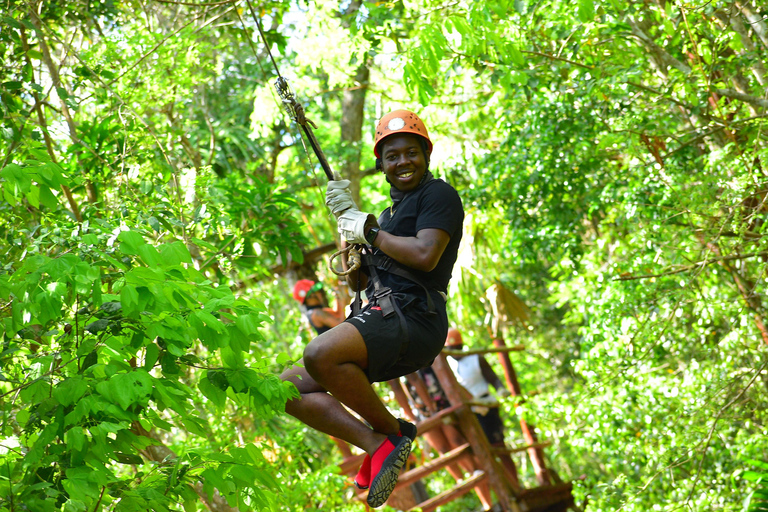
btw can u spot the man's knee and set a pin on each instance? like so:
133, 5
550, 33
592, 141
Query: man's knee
316, 359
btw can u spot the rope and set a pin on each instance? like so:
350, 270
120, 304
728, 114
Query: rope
353, 260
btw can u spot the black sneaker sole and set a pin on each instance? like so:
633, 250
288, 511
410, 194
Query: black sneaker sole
386, 480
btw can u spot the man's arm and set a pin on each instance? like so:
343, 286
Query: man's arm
420, 252
325, 317
490, 376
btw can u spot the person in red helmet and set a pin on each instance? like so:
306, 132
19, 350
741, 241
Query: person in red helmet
320, 316
408, 256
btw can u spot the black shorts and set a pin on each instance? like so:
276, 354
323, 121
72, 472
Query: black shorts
492, 426
389, 355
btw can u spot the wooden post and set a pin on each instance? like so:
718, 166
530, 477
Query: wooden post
472, 430
344, 448
401, 397
535, 452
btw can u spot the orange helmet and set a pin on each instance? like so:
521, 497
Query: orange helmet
400, 121
304, 288
454, 338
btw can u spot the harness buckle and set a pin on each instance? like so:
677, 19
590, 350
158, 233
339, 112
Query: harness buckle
384, 300
385, 263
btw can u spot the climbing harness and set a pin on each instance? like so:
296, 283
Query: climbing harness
391, 302
296, 112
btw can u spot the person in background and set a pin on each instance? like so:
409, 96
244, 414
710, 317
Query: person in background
474, 373
319, 314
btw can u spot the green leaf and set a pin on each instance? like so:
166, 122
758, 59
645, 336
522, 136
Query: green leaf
127, 458
143, 276
248, 324
97, 326
86, 347
168, 364
754, 476
130, 241
149, 255
96, 292
129, 299
210, 321
515, 54
175, 253
33, 196
195, 425
213, 393
70, 390
586, 10
232, 358
75, 438
12, 22
151, 355
22, 416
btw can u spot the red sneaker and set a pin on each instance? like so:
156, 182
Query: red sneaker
363, 478
386, 463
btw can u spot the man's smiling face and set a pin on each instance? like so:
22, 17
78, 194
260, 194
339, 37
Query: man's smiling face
403, 161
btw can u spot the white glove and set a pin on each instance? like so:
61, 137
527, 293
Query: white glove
352, 223
338, 197
502, 393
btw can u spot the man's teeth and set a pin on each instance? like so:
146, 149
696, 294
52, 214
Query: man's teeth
406, 174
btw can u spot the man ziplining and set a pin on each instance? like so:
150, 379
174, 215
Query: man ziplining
407, 260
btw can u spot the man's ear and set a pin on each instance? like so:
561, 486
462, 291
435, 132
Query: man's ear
379, 165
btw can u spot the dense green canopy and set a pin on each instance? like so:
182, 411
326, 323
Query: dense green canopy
157, 205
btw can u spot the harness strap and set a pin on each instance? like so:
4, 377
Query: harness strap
387, 264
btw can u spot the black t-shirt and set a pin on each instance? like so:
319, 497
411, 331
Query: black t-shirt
434, 204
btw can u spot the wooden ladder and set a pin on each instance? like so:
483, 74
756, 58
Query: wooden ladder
491, 473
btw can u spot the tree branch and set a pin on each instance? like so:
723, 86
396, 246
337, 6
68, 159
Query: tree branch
658, 51
693, 266
561, 59
747, 98
714, 424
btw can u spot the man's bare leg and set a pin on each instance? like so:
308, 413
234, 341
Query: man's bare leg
334, 362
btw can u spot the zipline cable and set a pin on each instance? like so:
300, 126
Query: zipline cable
296, 112
294, 108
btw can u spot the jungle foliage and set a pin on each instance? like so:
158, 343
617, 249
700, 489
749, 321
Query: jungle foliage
157, 204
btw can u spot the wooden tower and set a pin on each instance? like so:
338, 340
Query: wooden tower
494, 469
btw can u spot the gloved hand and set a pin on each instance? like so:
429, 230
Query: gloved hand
338, 197
502, 393
352, 223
